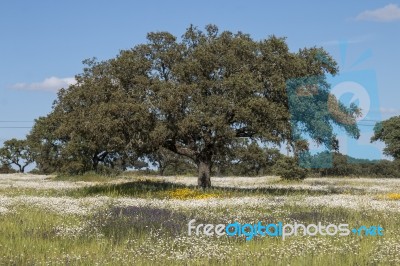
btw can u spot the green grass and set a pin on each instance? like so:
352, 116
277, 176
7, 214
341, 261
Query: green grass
157, 235
147, 188
31, 236
86, 177
11, 192
92, 176
157, 189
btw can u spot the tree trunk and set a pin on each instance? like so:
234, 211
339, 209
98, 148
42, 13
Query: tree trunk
95, 163
161, 171
161, 168
204, 180
21, 170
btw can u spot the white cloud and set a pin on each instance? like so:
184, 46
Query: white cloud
387, 13
52, 84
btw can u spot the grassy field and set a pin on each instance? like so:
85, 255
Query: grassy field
143, 220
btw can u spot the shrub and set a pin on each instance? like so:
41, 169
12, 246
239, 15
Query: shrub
6, 169
108, 171
288, 168
36, 171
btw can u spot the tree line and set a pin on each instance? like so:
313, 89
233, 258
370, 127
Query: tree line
211, 101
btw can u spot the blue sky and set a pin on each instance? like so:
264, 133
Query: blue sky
43, 43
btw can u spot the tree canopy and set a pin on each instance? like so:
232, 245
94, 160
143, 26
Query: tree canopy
388, 131
16, 152
195, 96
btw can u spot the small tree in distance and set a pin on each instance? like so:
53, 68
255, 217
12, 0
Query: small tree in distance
388, 131
16, 152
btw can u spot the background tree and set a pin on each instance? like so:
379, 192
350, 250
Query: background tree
45, 146
336, 164
388, 131
169, 162
16, 152
93, 122
250, 159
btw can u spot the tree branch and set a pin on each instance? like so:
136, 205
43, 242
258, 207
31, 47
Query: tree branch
244, 132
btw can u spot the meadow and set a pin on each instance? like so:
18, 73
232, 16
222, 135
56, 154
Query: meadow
142, 220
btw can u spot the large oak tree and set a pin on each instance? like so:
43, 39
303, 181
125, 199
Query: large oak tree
196, 96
